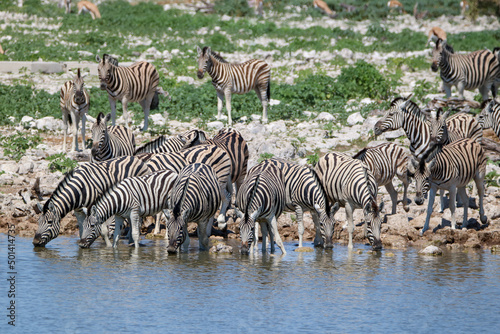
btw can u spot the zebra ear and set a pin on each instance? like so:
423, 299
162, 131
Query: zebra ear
38, 208
108, 117
97, 58
409, 96
78, 74
198, 50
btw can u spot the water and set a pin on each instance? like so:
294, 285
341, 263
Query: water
65, 289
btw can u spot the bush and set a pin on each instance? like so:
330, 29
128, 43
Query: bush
360, 81
16, 145
233, 7
60, 162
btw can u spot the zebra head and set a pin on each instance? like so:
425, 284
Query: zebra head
192, 138
421, 172
104, 69
91, 229
175, 231
393, 118
438, 128
437, 54
486, 118
99, 132
48, 224
78, 89
247, 232
203, 60
373, 221
327, 223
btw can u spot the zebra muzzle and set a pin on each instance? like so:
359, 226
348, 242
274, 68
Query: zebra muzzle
434, 67
200, 74
38, 241
244, 248
103, 86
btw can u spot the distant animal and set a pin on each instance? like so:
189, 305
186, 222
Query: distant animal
65, 4
135, 83
230, 78
464, 7
436, 33
479, 69
323, 6
1, 49
419, 15
74, 103
257, 5
195, 198
396, 5
110, 142
88, 7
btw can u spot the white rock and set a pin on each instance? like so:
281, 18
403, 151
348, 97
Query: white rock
216, 125
431, 250
49, 123
187, 79
326, 117
274, 102
276, 127
355, 119
157, 119
10, 167
346, 53
395, 134
27, 121
26, 168
255, 117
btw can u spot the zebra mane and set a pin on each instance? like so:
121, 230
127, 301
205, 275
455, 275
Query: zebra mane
178, 206
414, 109
368, 184
145, 147
252, 195
61, 185
214, 54
321, 189
397, 101
360, 155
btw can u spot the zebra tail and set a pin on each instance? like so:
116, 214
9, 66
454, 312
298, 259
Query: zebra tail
154, 102
252, 195
268, 91
178, 205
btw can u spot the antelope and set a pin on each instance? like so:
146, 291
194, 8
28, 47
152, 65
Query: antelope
464, 6
436, 33
89, 7
324, 7
395, 4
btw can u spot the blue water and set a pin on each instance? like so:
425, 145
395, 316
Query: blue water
64, 289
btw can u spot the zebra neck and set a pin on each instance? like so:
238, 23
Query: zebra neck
115, 85
213, 67
415, 129
446, 64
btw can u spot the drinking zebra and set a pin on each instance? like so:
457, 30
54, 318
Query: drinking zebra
74, 103
135, 83
451, 168
230, 78
79, 189
110, 142
236, 147
304, 192
195, 198
386, 161
490, 116
133, 198
478, 69
211, 155
262, 199
349, 182
164, 144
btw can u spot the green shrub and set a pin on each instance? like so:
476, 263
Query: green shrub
61, 162
233, 7
15, 145
264, 156
360, 81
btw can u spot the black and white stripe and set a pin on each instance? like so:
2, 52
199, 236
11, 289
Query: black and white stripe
79, 189
451, 168
261, 198
386, 161
490, 116
110, 142
349, 182
164, 144
195, 198
478, 69
229, 78
135, 83
132, 199
304, 192
74, 102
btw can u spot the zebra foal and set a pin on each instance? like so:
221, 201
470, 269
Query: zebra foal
79, 189
164, 144
195, 198
450, 168
478, 69
74, 103
230, 78
304, 192
349, 182
110, 142
386, 161
133, 198
261, 199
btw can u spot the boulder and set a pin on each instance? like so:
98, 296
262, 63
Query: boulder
325, 117
431, 250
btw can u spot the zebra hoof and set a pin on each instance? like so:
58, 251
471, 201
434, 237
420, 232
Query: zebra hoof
484, 219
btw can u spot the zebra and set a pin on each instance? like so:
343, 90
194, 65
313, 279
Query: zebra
110, 142
79, 189
261, 199
195, 198
211, 155
304, 192
236, 147
349, 182
135, 83
133, 198
386, 161
451, 168
490, 115
230, 78
478, 69
164, 144
74, 102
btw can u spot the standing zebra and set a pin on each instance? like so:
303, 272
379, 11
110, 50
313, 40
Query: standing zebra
79, 189
350, 183
451, 168
386, 161
304, 192
478, 69
164, 144
74, 103
490, 116
132, 199
195, 198
110, 141
211, 155
135, 83
230, 78
262, 199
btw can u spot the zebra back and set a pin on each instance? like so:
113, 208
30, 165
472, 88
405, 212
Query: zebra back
110, 141
462, 125
164, 144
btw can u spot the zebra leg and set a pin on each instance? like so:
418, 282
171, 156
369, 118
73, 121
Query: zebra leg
350, 223
318, 239
462, 194
406, 183
447, 89
453, 205
80, 217
135, 226
65, 128
485, 90
227, 94
84, 119
264, 238
479, 181
105, 231
441, 198
202, 235
220, 100
430, 206
187, 240
112, 105
276, 236
262, 95
394, 196
300, 215
146, 107
461, 88
157, 223
126, 117
74, 129
228, 194
118, 230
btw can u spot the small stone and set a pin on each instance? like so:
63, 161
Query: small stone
217, 125
355, 118
303, 249
495, 249
389, 254
431, 250
325, 117
221, 248
359, 251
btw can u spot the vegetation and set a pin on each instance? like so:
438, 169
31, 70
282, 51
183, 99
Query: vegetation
61, 162
264, 156
15, 145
